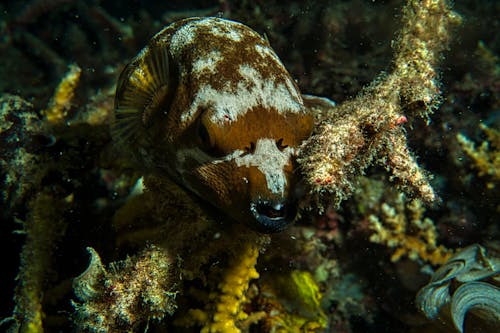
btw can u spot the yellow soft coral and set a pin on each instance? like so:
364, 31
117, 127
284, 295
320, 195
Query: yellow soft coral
63, 96
404, 229
233, 288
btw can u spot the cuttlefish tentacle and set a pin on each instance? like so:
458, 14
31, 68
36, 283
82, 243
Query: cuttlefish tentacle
208, 103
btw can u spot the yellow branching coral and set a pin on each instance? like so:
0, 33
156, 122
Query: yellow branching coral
228, 308
368, 129
486, 157
224, 311
404, 229
60, 103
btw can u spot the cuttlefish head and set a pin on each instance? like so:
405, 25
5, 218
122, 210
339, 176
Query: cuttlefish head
250, 173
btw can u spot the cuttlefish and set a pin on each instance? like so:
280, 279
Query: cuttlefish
209, 104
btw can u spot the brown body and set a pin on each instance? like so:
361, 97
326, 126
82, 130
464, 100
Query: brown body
209, 103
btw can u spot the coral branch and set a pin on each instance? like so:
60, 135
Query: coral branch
224, 312
368, 129
424, 36
486, 157
404, 229
232, 292
40, 50
18, 124
43, 228
63, 96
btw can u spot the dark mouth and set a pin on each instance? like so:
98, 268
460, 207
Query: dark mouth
272, 216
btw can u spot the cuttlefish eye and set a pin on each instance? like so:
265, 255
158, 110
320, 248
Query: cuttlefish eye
205, 137
273, 216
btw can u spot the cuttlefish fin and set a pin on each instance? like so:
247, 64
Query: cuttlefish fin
144, 92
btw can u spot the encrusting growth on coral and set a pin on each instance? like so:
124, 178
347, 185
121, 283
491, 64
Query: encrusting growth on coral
368, 129
486, 157
126, 295
60, 103
404, 229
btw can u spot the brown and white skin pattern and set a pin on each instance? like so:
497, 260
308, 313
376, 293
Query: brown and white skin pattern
209, 103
